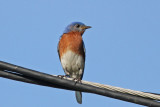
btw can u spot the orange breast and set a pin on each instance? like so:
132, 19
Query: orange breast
71, 41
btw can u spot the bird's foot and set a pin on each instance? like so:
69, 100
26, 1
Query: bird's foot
77, 80
61, 76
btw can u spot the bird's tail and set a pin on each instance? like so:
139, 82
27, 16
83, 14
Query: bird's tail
79, 97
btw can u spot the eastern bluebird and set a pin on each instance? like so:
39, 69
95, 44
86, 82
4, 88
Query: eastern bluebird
71, 52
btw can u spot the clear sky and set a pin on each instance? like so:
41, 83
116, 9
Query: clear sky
122, 47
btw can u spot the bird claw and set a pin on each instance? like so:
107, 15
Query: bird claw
61, 76
77, 80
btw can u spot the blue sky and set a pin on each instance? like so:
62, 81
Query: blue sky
122, 48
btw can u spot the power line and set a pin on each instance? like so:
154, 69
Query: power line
18, 73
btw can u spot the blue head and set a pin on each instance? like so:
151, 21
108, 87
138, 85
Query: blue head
76, 27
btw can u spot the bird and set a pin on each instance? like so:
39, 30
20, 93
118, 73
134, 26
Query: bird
71, 51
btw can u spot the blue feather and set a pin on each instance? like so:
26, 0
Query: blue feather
71, 27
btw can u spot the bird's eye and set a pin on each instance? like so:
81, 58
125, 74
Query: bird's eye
77, 26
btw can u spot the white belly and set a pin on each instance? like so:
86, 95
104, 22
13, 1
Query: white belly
73, 64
